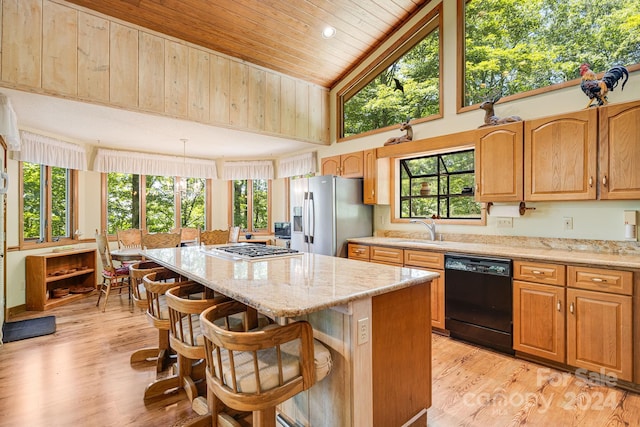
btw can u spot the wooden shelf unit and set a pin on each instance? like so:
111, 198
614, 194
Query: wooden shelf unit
42, 278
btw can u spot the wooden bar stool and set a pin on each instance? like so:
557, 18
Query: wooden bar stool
156, 285
149, 354
256, 370
185, 304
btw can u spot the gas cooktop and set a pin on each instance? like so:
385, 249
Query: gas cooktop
252, 251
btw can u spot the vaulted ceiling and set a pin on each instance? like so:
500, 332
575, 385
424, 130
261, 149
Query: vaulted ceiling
281, 35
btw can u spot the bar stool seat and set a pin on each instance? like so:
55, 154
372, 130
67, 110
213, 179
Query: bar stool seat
259, 369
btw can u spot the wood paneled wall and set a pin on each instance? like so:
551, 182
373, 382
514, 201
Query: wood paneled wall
60, 49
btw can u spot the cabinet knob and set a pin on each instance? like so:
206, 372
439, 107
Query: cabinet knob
559, 306
590, 181
537, 272
604, 180
571, 308
598, 280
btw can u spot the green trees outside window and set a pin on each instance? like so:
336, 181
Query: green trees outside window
405, 84
251, 204
518, 46
123, 201
46, 203
192, 203
161, 197
439, 185
160, 203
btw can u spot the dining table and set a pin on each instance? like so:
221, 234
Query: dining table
126, 254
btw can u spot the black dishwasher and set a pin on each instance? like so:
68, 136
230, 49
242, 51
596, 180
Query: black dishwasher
478, 300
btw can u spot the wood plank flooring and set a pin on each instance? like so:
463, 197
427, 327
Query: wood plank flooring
81, 376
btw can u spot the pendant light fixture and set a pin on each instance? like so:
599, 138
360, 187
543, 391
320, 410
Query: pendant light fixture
182, 184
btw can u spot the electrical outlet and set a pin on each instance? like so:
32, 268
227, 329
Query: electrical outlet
505, 222
567, 223
363, 331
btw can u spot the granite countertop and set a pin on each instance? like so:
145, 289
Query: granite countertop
522, 251
289, 286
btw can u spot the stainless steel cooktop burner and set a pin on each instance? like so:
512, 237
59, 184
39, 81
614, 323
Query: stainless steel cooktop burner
252, 251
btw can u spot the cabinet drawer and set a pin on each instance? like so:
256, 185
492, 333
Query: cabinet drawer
551, 274
386, 255
360, 252
598, 279
413, 258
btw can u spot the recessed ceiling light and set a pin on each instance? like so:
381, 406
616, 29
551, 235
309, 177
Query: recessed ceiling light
328, 32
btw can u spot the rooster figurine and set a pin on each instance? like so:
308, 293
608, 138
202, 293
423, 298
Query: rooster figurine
597, 89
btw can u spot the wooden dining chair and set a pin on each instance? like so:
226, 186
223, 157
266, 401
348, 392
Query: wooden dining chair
213, 237
259, 369
187, 234
131, 238
113, 277
161, 240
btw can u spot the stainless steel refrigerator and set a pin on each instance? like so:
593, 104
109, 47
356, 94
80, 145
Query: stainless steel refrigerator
325, 212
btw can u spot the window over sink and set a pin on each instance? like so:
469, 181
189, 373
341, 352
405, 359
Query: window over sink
439, 185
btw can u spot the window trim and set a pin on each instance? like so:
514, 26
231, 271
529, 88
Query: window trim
461, 62
409, 38
268, 230
73, 212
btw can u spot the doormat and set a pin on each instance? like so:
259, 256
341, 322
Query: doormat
29, 328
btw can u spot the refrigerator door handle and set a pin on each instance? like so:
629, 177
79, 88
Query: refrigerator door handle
312, 217
305, 216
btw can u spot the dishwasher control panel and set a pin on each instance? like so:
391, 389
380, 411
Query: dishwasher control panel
496, 266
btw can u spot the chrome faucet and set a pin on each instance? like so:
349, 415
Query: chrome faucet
431, 227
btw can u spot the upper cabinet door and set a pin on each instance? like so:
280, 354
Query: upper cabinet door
620, 151
560, 156
498, 163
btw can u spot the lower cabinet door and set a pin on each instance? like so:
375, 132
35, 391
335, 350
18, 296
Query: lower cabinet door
538, 320
599, 333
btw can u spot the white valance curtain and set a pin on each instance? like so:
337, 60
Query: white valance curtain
301, 164
51, 152
9, 124
153, 164
260, 169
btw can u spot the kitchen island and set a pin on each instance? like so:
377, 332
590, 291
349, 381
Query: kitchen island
375, 319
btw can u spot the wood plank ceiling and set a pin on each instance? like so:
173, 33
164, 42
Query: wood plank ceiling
281, 35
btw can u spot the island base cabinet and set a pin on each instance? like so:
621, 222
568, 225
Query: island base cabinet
538, 320
599, 333
384, 378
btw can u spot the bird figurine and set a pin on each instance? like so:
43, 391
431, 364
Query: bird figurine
596, 89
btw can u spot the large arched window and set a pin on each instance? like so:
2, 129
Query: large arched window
516, 47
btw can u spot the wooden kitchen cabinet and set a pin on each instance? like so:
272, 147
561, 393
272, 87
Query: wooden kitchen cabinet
599, 323
375, 187
539, 309
58, 270
599, 332
350, 165
385, 255
561, 157
498, 163
619, 127
432, 261
359, 252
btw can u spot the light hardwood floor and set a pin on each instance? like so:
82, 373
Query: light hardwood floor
81, 376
